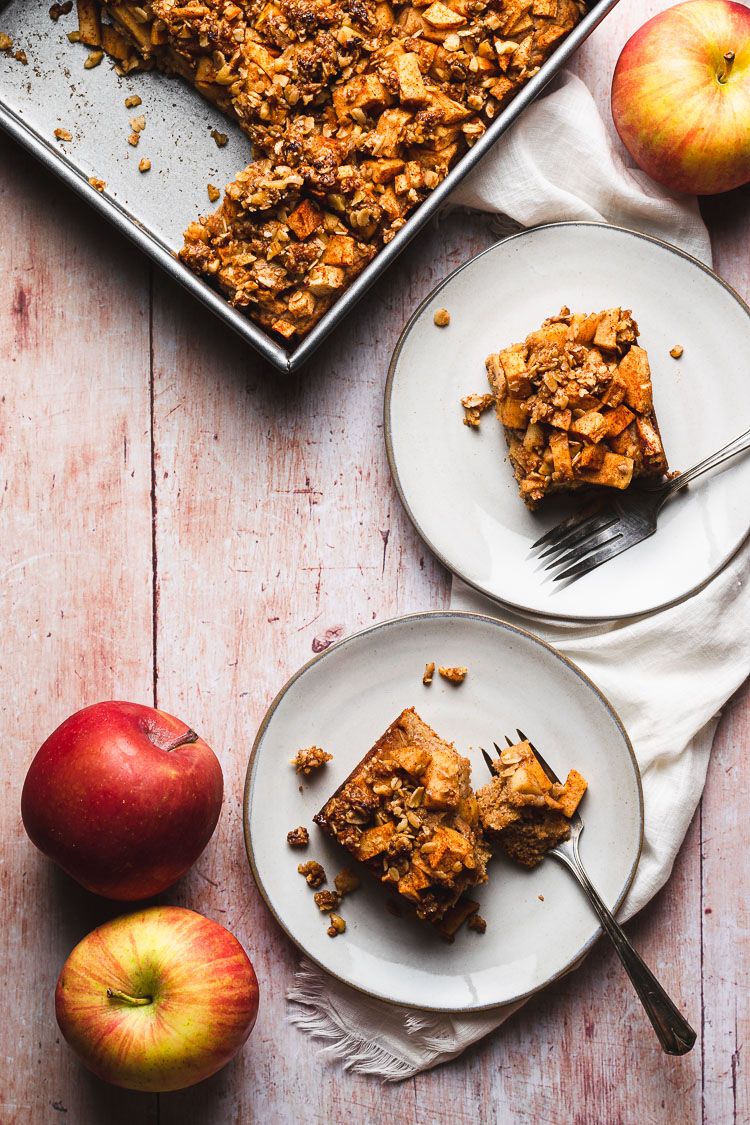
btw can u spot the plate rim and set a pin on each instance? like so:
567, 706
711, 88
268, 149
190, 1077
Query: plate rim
389, 623
537, 614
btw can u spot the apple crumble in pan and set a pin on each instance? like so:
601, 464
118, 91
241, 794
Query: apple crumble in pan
357, 109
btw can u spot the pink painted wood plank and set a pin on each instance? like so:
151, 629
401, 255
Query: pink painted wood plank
75, 599
726, 920
725, 882
276, 522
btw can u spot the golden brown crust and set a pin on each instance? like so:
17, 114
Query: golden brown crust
575, 400
407, 812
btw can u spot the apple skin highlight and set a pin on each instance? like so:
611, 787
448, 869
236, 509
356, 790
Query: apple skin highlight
196, 992
681, 108
124, 798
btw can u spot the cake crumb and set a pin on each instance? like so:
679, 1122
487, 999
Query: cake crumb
213, 192
540, 897
97, 183
144, 165
346, 881
138, 124
442, 318
93, 59
220, 138
298, 837
58, 10
474, 405
337, 926
133, 139
478, 923
455, 675
5, 42
429, 672
314, 873
132, 101
310, 759
63, 135
676, 351
20, 56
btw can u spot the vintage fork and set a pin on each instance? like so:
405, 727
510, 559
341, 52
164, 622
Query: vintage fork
674, 1032
609, 527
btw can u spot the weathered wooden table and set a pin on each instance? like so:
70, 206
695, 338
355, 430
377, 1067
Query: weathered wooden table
178, 524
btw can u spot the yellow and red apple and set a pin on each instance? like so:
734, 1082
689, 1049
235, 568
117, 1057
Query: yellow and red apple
124, 798
158, 999
681, 96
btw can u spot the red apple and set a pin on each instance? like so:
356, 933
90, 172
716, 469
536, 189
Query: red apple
124, 798
681, 96
158, 999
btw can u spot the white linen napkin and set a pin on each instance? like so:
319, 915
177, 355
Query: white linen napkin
666, 674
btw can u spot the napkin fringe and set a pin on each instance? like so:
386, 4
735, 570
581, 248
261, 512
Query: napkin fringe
316, 1015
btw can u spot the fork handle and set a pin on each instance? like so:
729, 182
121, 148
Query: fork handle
674, 1032
738, 445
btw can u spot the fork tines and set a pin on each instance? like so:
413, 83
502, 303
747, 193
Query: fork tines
522, 738
561, 529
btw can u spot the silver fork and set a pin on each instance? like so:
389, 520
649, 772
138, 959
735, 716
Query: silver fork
607, 527
674, 1032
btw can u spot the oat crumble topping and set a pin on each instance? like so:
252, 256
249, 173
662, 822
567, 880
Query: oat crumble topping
474, 406
327, 900
576, 403
337, 926
429, 672
455, 675
314, 873
442, 318
310, 759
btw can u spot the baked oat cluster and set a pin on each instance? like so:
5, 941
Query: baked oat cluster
408, 813
576, 402
522, 810
357, 109
309, 759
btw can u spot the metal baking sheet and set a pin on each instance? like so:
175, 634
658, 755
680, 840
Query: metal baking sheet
54, 91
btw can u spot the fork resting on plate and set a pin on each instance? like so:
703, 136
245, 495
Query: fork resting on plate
674, 1032
605, 528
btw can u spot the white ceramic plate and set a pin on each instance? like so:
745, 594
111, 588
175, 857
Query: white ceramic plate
455, 482
343, 700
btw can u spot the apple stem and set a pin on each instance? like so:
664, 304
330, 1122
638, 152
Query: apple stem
133, 1001
728, 61
183, 740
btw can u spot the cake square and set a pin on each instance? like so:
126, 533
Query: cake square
408, 813
576, 402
